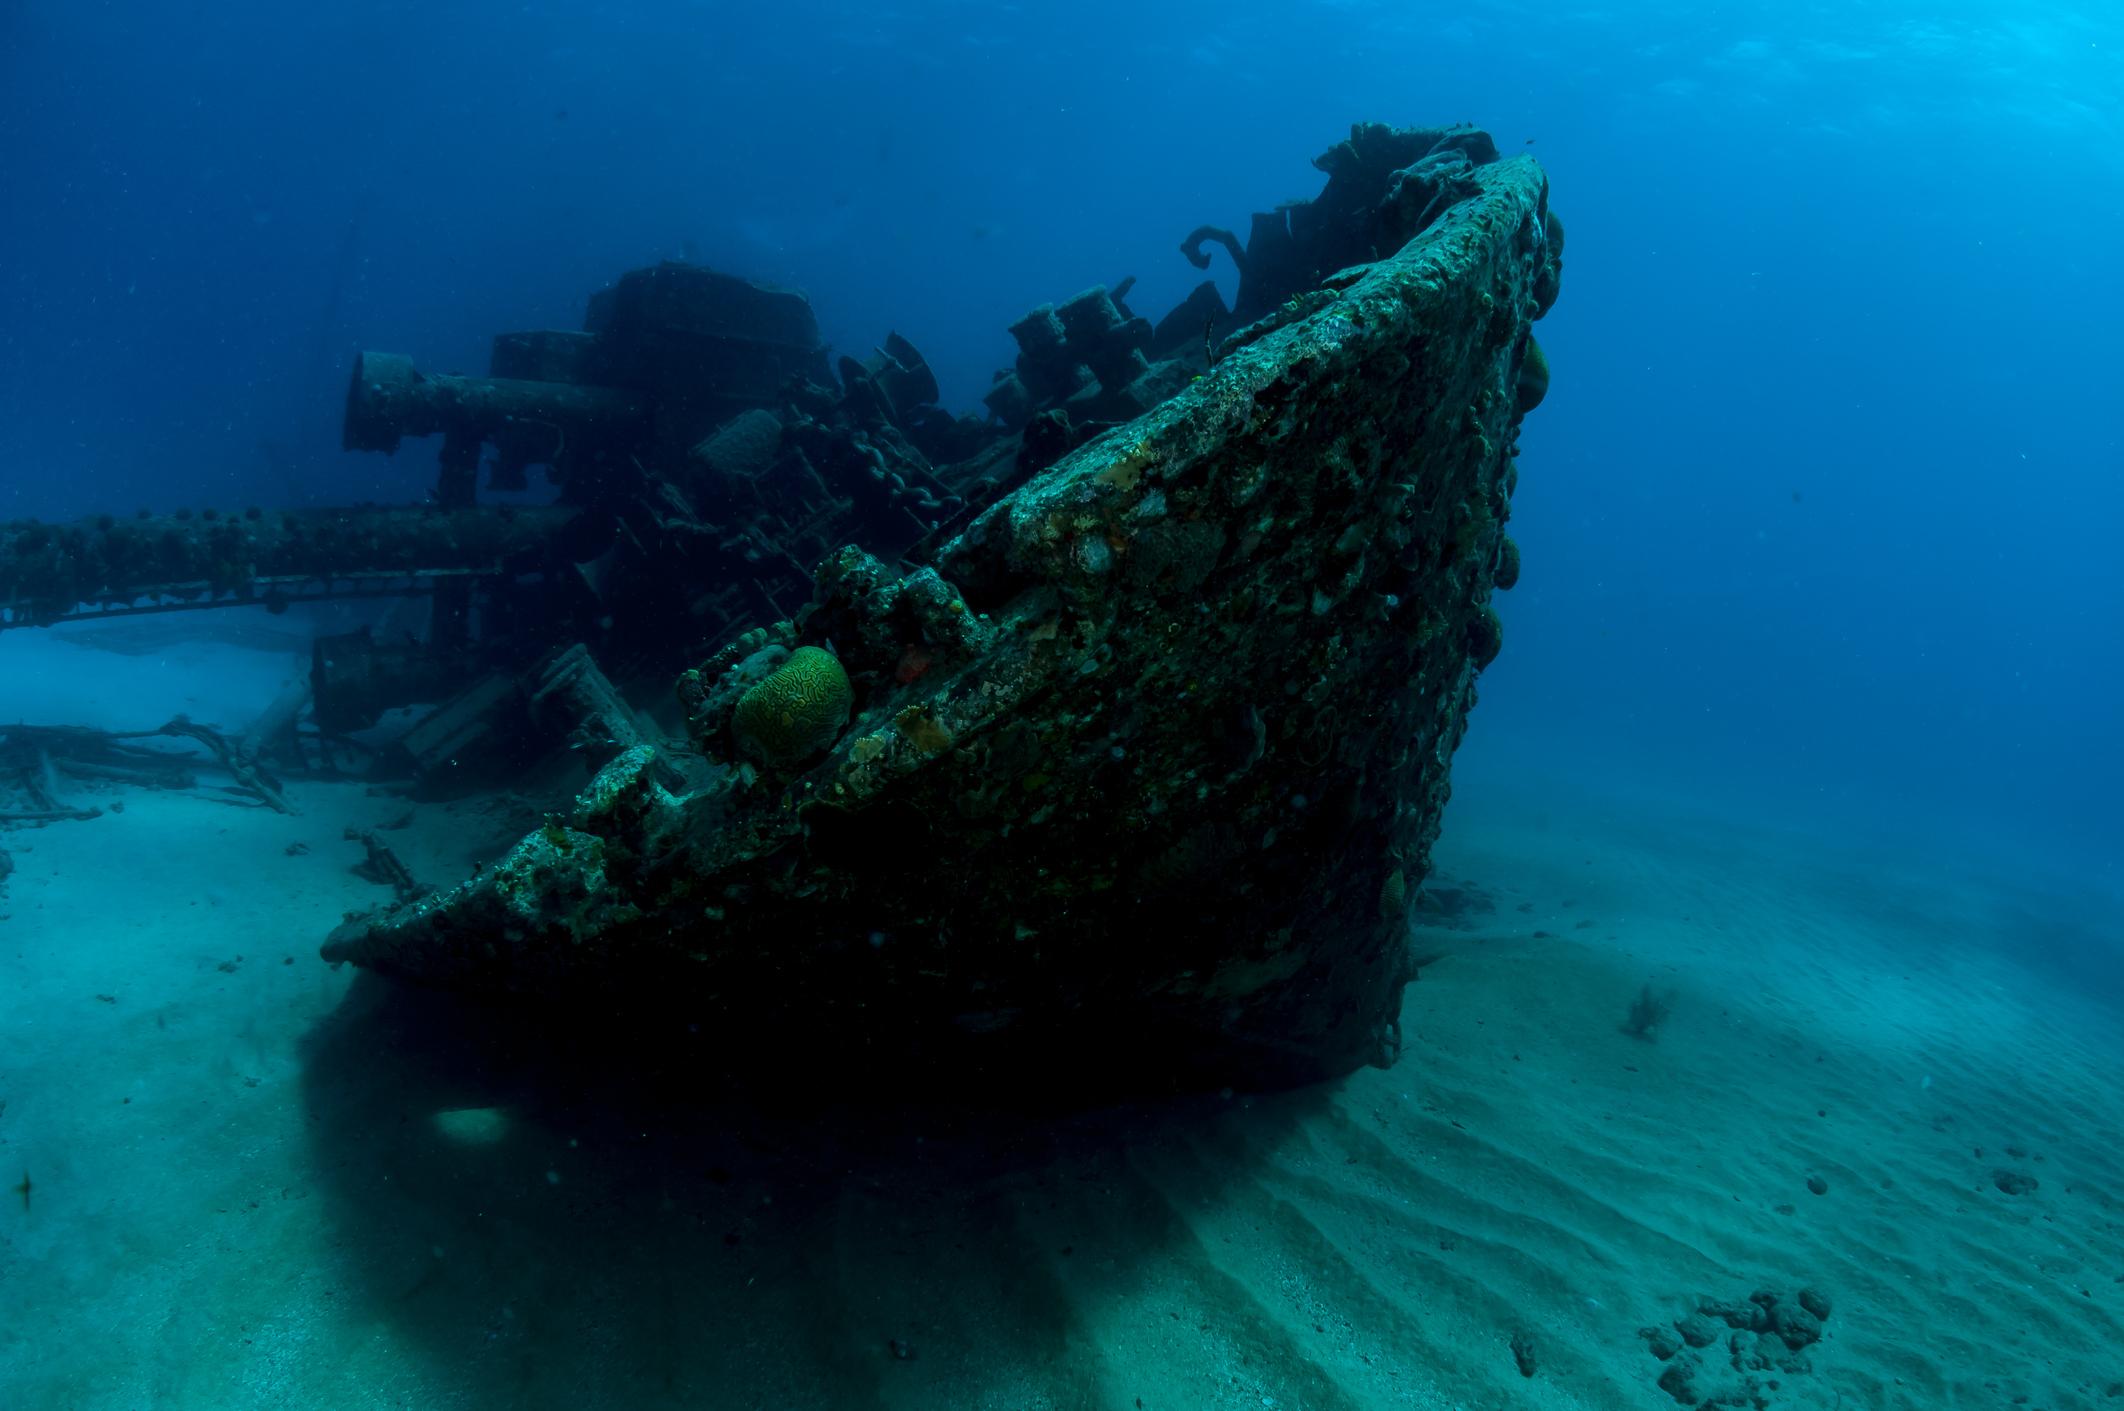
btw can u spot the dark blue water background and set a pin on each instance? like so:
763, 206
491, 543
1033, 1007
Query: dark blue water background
1822, 516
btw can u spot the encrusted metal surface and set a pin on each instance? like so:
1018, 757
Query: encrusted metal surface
1151, 758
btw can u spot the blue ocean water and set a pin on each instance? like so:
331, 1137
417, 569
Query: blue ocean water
1820, 523
1825, 501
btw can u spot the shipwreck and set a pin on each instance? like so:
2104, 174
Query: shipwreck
1118, 718
1153, 749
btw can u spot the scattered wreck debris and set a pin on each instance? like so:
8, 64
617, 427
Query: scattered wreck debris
250, 776
382, 866
35, 759
1144, 745
506, 720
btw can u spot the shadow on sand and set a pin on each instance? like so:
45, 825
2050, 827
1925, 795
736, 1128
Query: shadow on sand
557, 1217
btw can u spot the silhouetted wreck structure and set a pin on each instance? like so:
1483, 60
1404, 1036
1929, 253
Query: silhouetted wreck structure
1121, 715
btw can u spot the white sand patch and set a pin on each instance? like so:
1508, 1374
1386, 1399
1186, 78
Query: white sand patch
261, 1184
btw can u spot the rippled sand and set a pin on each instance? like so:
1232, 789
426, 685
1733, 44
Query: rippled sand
256, 1182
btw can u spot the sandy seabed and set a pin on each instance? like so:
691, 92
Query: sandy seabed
1894, 1081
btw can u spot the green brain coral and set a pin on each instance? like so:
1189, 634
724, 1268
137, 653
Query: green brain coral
796, 712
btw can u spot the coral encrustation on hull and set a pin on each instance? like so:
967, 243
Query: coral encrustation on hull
1149, 758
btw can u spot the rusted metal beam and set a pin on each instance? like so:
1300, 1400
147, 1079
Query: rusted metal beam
110, 567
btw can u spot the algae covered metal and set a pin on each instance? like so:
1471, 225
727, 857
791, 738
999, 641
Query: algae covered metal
1149, 754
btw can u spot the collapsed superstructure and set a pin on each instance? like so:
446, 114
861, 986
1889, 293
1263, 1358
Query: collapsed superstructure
1121, 714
